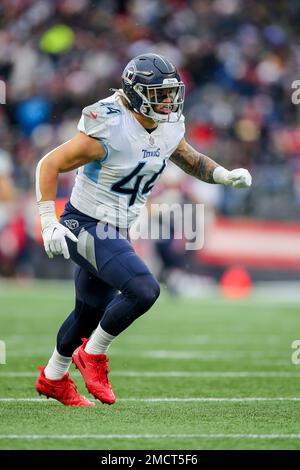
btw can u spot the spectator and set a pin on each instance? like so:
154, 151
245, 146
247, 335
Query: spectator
238, 60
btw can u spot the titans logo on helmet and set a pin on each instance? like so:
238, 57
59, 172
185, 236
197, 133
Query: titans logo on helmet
129, 75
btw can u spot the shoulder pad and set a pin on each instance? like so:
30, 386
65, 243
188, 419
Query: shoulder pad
97, 118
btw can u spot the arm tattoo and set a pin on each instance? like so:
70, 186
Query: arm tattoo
194, 163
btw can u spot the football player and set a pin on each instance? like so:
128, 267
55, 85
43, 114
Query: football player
122, 147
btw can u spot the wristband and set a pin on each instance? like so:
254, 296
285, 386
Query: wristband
220, 175
47, 213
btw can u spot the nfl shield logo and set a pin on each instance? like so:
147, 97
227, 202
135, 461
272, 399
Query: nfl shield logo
151, 140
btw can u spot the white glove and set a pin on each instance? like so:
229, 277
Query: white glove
239, 178
53, 232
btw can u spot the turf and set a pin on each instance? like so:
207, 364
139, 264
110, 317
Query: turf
181, 354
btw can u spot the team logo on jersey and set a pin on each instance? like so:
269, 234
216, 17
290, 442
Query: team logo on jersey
151, 153
71, 224
94, 115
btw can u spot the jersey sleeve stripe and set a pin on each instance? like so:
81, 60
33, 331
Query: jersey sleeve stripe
106, 150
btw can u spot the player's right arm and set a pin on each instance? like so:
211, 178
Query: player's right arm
204, 168
78, 151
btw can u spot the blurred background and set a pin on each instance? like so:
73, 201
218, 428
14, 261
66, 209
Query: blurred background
228, 364
238, 59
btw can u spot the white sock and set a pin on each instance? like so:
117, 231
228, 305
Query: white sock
99, 342
57, 366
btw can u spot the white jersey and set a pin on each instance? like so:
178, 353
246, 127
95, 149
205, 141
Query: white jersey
115, 189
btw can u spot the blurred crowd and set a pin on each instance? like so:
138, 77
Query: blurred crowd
238, 59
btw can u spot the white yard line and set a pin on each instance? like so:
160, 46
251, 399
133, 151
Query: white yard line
147, 436
183, 355
206, 374
170, 399
230, 339
175, 374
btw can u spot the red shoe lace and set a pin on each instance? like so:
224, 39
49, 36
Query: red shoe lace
69, 389
103, 371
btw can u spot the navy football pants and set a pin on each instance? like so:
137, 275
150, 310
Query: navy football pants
113, 285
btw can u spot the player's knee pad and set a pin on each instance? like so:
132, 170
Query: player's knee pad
145, 290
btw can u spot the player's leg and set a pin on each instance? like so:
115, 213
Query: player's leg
92, 296
138, 292
119, 266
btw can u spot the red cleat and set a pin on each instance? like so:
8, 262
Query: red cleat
63, 390
94, 370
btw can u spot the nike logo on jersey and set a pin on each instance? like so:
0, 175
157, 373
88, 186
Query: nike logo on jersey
94, 116
151, 153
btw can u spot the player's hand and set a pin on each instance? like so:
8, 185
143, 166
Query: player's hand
54, 236
239, 178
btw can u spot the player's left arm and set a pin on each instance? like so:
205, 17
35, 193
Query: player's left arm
204, 168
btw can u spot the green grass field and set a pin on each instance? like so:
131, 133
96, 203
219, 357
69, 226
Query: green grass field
190, 374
